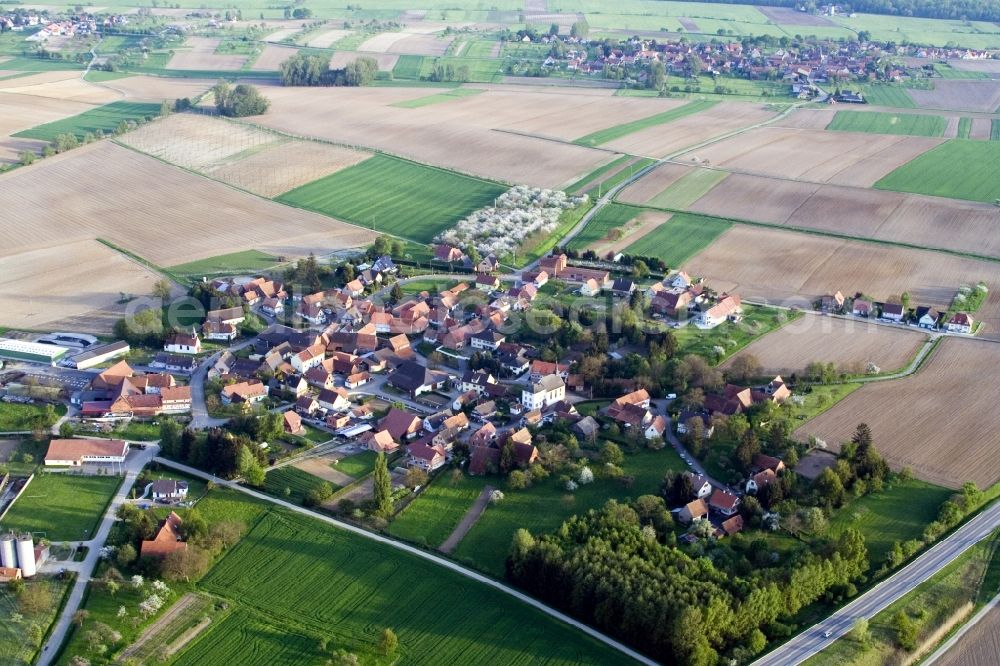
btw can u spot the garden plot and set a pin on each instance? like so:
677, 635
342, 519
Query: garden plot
826, 157
932, 422
67, 281
457, 135
157, 211
663, 140
793, 268
850, 344
198, 53
271, 58
959, 95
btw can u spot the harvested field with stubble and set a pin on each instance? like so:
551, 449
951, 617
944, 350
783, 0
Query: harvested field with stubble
159, 212
979, 646
654, 182
198, 53
68, 281
590, 114
936, 422
793, 268
664, 140
825, 157
847, 343
458, 135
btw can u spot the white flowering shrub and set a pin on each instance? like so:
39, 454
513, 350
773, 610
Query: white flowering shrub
585, 476
160, 587
496, 497
122, 612
519, 213
138, 581
571, 485
150, 605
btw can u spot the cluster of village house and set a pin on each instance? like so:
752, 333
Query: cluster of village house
822, 61
79, 25
895, 313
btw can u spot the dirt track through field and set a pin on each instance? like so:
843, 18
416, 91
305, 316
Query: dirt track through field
468, 521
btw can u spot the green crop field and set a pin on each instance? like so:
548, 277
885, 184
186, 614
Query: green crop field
544, 507
616, 163
293, 574
618, 131
297, 482
615, 179
408, 67
964, 127
899, 513
956, 169
104, 118
438, 98
249, 261
882, 94
887, 123
61, 506
687, 189
434, 514
396, 196
612, 216
680, 238
358, 465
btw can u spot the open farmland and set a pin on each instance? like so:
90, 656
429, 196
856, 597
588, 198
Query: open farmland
21, 112
420, 202
688, 189
159, 88
459, 135
662, 140
887, 123
794, 268
979, 646
678, 239
859, 213
271, 57
855, 159
261, 162
66, 86
959, 95
933, 421
653, 183
624, 129
157, 211
297, 482
847, 343
198, 54
101, 119
958, 169
600, 227
325, 39
62, 280
293, 574
61, 507
385, 61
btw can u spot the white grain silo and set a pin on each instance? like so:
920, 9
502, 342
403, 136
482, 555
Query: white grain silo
8, 558
26, 555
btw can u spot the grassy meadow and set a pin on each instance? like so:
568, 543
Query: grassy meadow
62, 507
297, 482
103, 118
908, 124
680, 238
611, 216
434, 514
249, 261
956, 169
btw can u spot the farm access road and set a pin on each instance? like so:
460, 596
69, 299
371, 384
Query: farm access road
440, 561
811, 641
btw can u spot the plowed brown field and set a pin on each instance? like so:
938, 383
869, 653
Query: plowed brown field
979, 646
198, 53
939, 422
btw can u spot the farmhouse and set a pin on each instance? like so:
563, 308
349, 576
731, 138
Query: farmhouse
334, 399
893, 312
693, 511
292, 423
546, 391
862, 308
723, 502
832, 303
382, 442
700, 485
401, 424
960, 322
169, 489
426, 457
727, 308
244, 392
415, 379
217, 330
928, 317
226, 316
77, 452
167, 539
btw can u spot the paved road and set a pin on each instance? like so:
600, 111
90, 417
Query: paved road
692, 462
885, 593
134, 465
440, 561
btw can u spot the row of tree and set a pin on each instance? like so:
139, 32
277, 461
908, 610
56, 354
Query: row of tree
312, 70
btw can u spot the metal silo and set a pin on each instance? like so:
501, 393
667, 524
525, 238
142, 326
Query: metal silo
8, 558
26, 555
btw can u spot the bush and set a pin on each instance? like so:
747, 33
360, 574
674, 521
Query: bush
241, 101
